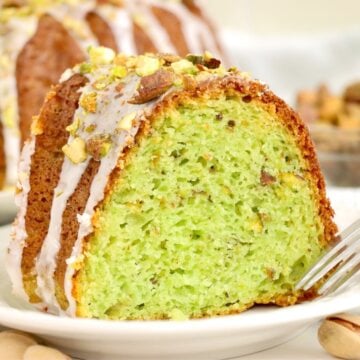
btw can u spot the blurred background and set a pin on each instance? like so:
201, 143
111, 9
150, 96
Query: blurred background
265, 17
308, 52
292, 44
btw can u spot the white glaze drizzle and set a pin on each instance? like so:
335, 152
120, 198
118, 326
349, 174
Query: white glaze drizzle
193, 28
46, 261
121, 25
206, 33
110, 111
69, 178
19, 235
52, 245
101, 179
189, 25
157, 33
73, 19
18, 31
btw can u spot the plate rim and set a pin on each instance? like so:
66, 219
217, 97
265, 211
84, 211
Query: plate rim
14, 317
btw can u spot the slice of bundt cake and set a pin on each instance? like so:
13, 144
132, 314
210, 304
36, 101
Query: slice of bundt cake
40, 39
159, 187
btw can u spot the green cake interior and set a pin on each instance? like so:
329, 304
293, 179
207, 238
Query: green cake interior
195, 226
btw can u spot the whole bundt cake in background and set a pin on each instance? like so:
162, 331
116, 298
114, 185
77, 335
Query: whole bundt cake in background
39, 39
160, 187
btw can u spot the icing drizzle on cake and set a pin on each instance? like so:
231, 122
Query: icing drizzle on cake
119, 95
18, 26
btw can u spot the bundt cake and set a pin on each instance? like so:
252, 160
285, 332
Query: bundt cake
40, 39
160, 187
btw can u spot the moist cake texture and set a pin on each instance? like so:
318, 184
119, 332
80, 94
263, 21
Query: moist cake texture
40, 39
166, 188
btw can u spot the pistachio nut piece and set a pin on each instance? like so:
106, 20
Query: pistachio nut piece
339, 335
39, 352
13, 344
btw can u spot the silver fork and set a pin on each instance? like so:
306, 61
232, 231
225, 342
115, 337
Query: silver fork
345, 255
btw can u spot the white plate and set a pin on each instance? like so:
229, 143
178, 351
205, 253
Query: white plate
346, 203
7, 206
217, 338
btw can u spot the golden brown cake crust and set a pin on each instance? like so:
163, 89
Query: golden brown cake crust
245, 90
2, 158
70, 227
40, 65
57, 113
101, 30
60, 108
172, 25
142, 41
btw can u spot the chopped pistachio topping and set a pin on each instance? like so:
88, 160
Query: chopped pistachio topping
101, 55
158, 73
147, 65
120, 59
99, 146
203, 75
183, 66
74, 126
88, 102
76, 150
101, 83
91, 128
208, 55
119, 71
85, 68
105, 148
178, 81
291, 179
195, 59
153, 86
126, 122
131, 62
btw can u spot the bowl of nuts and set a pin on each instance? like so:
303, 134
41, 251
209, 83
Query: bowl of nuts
334, 123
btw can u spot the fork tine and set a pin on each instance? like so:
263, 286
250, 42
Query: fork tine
350, 280
346, 270
346, 237
342, 255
